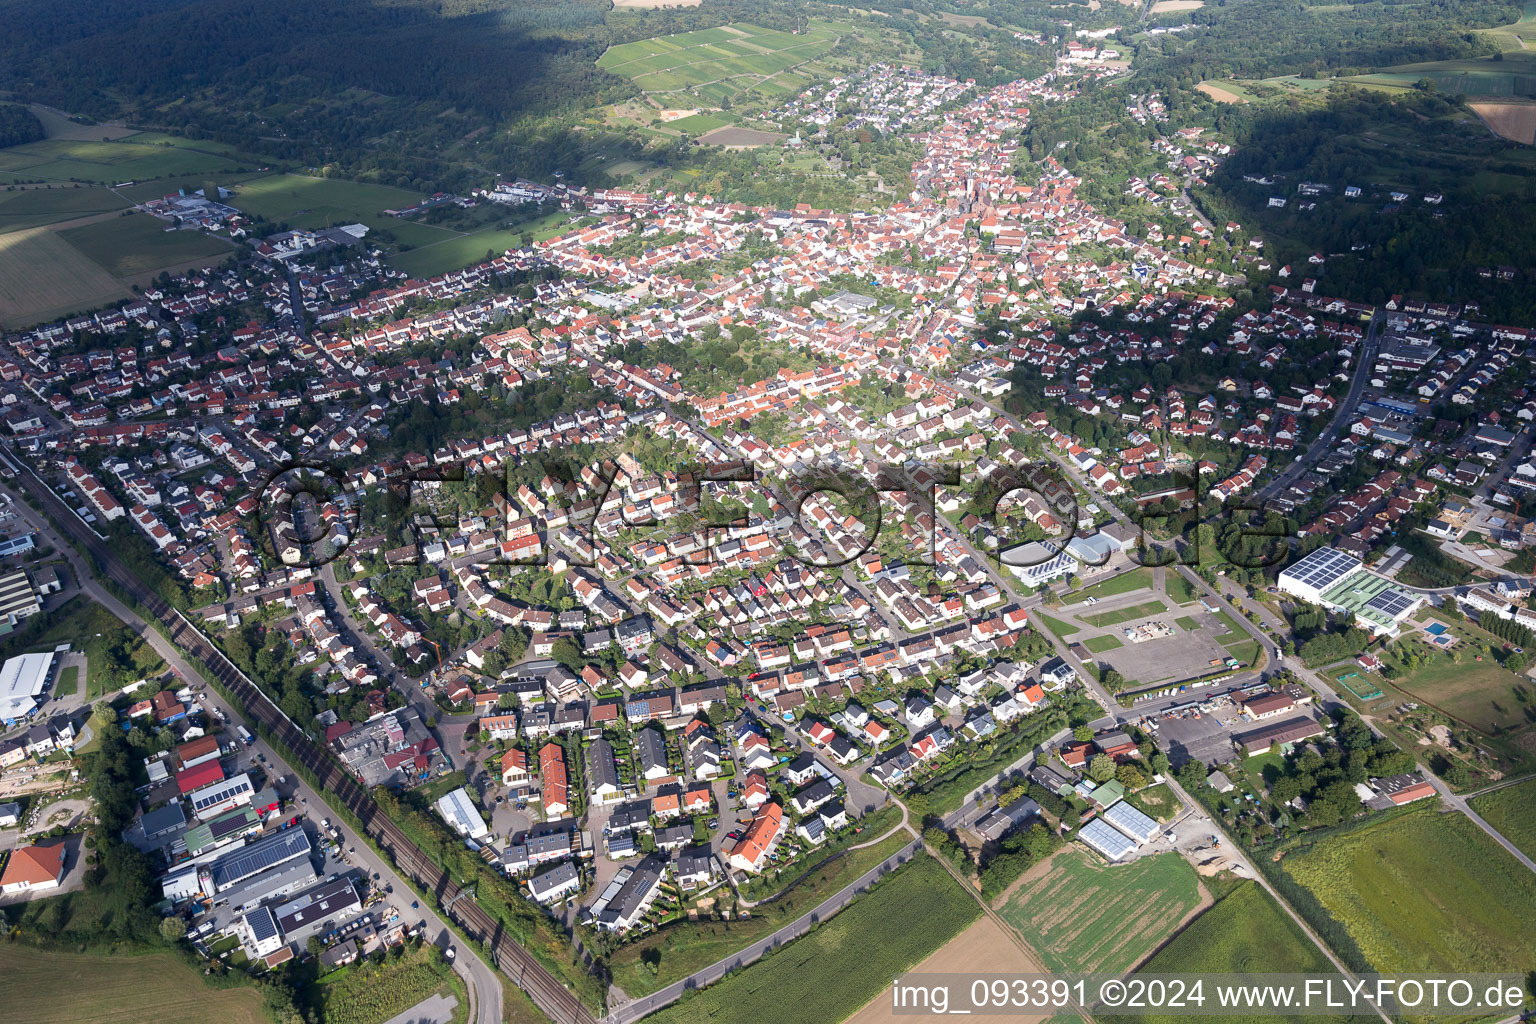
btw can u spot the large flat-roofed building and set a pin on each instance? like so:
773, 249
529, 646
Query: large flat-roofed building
1112, 844
212, 801
460, 814
1132, 822
18, 598
318, 910
252, 859
1341, 584
22, 681
1280, 734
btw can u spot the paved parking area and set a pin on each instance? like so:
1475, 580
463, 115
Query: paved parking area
1203, 739
1183, 655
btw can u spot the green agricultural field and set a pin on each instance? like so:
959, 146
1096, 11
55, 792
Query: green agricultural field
686, 947
304, 202
1511, 74
719, 63
43, 277
1135, 611
458, 251
698, 124
846, 961
1512, 811
1424, 892
1136, 579
1519, 36
52, 987
35, 207
1246, 932
132, 158
1082, 915
139, 244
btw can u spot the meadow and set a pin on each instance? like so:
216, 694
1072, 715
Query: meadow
1512, 812
367, 993
131, 158
687, 947
1246, 932
35, 207
43, 277
1508, 74
1082, 915
139, 244
721, 63
304, 202
52, 987
1423, 892
846, 961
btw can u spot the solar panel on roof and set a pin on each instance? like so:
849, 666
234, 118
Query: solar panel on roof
257, 857
1391, 602
261, 924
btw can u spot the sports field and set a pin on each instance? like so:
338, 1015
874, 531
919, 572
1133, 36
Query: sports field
1082, 915
713, 64
34, 207
1246, 932
1424, 892
1512, 811
73, 988
1135, 611
43, 277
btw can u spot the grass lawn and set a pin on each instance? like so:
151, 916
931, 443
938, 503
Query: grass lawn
1424, 892
304, 202
1246, 932
1100, 644
96, 632
51, 987
1479, 692
69, 682
1136, 579
369, 993
1158, 801
1512, 811
139, 244
132, 158
458, 251
1061, 629
34, 207
1082, 915
846, 961
686, 947
1187, 623
1180, 590
1135, 611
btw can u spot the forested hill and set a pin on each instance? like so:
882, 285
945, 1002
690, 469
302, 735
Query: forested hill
128, 56
18, 125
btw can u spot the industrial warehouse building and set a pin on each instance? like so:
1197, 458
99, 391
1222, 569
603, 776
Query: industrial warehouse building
1340, 583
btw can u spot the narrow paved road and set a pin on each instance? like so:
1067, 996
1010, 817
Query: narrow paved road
1459, 803
635, 1009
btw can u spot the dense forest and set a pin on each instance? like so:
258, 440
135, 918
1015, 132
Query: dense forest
18, 125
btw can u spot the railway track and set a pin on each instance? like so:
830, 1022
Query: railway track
507, 956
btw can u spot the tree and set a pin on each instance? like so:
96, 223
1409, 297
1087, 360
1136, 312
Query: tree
173, 929
1129, 776
1083, 733
1101, 768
